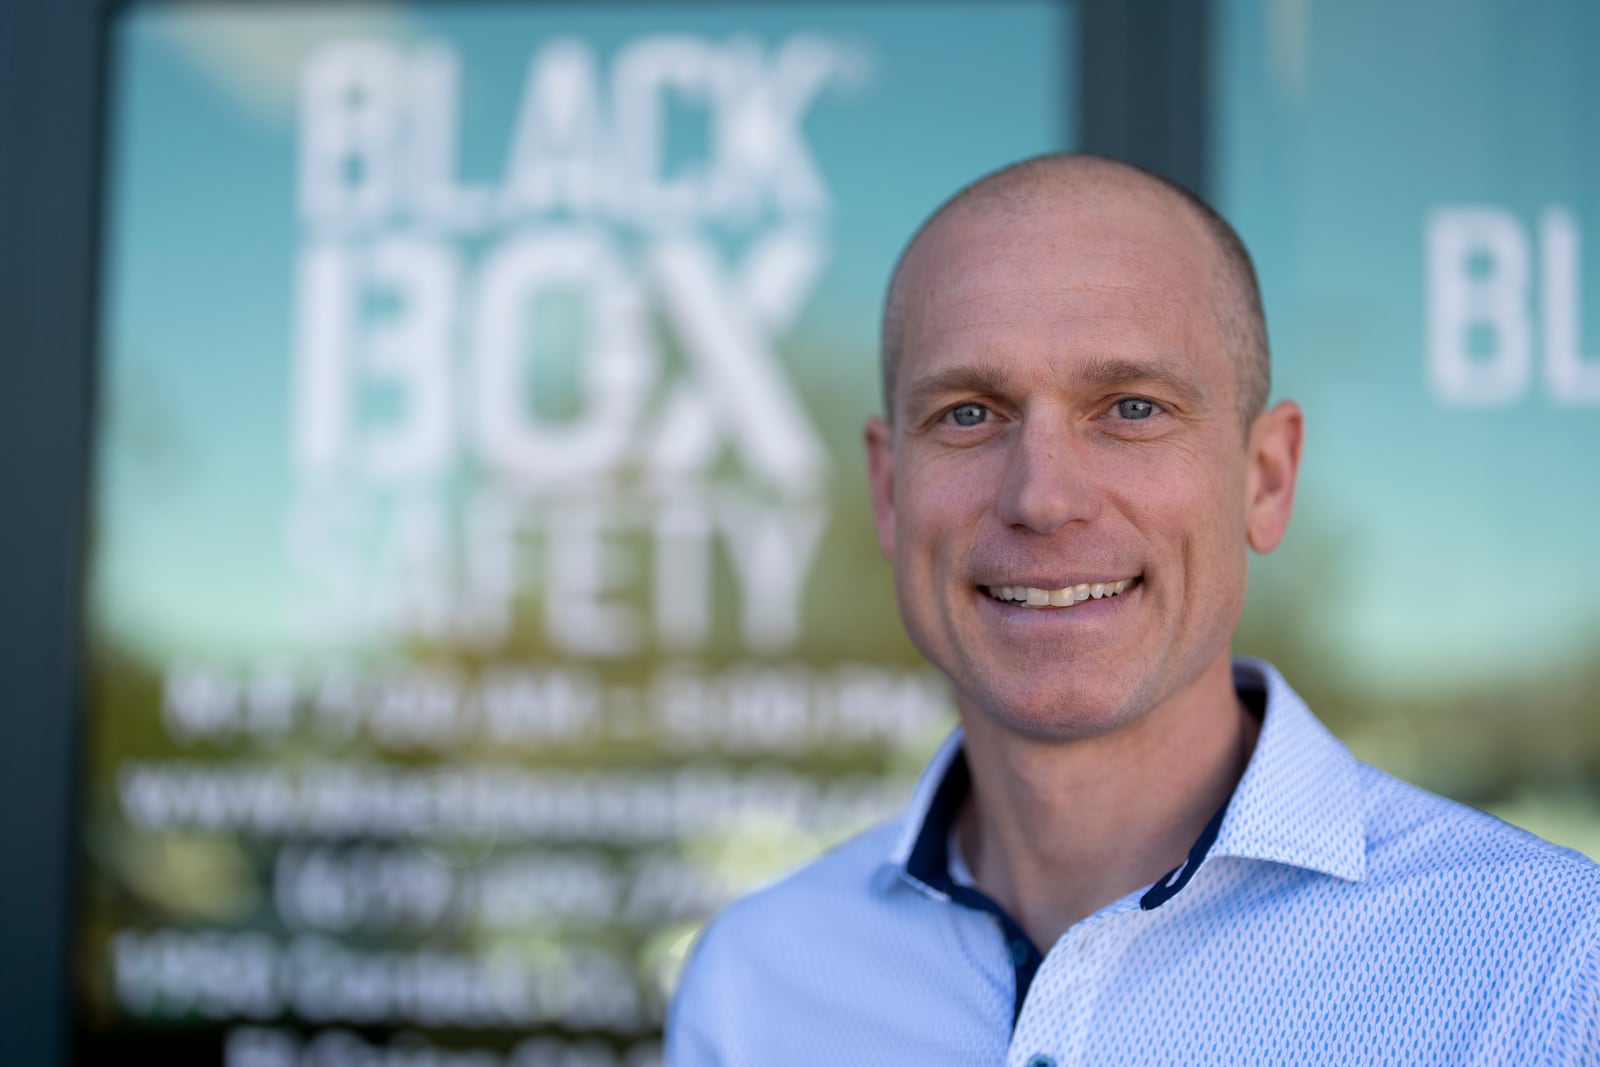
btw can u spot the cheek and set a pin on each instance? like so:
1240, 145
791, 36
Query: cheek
1193, 522
1218, 561
941, 494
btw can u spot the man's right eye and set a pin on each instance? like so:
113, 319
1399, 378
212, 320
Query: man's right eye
968, 414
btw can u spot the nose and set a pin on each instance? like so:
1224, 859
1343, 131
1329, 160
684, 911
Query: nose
1044, 485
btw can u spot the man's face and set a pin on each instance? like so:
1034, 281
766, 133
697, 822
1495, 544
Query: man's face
1066, 415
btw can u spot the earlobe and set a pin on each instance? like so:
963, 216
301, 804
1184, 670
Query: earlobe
879, 439
1274, 467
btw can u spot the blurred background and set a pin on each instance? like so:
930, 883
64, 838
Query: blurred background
437, 570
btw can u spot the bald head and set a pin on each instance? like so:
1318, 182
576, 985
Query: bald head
1075, 182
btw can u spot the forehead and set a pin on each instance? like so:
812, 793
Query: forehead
1050, 280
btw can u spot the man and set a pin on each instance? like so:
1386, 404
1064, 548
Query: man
1135, 851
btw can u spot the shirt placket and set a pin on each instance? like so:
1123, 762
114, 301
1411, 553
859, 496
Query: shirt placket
1054, 1027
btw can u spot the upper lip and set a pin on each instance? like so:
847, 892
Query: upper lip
1063, 583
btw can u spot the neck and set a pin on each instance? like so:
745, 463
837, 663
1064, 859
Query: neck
1054, 831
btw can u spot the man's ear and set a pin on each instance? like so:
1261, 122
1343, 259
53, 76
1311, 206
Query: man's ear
879, 440
1274, 464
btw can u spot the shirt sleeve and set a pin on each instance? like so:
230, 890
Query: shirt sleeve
1576, 1042
692, 1023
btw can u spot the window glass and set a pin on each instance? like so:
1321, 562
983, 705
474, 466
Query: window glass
483, 588
1417, 183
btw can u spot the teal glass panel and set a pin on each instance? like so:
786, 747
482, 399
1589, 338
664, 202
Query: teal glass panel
1418, 185
483, 587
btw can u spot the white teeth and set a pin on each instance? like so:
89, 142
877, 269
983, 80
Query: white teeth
1064, 597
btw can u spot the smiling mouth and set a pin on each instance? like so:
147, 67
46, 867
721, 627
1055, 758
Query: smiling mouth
1065, 597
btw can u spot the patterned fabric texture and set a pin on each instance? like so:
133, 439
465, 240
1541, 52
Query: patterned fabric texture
1340, 917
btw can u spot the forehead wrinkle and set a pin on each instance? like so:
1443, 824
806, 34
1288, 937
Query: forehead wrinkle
1064, 289
954, 285
1077, 330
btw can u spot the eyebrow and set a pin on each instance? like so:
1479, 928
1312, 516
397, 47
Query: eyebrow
1122, 372
993, 379
988, 378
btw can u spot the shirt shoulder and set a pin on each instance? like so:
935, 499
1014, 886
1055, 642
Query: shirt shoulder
780, 944
1507, 908
785, 914
1413, 833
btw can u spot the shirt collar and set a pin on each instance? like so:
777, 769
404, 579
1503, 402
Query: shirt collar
1300, 800
1298, 803
934, 778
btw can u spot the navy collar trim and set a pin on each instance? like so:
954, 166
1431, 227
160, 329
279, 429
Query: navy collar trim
1170, 884
929, 865
929, 862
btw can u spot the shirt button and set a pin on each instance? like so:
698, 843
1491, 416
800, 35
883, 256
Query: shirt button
1019, 955
1041, 1060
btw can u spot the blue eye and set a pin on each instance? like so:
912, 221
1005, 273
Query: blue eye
1134, 408
968, 414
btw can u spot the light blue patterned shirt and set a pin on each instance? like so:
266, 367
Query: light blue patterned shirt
1338, 916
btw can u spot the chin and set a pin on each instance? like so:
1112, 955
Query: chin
1059, 713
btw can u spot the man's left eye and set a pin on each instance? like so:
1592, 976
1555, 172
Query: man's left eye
968, 414
1134, 408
